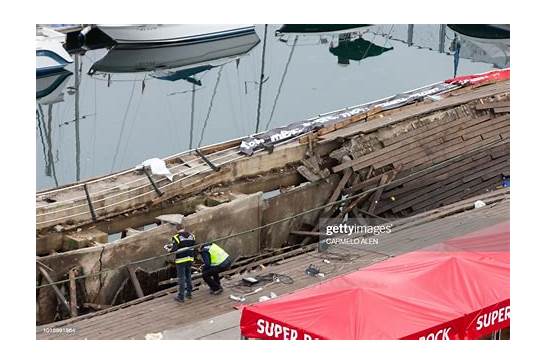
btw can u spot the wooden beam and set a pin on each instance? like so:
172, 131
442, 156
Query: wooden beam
134, 280
73, 293
55, 288
377, 194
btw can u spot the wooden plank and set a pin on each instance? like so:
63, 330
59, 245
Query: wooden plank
446, 191
73, 293
337, 192
405, 158
435, 146
491, 105
441, 144
501, 110
359, 199
486, 128
411, 111
500, 131
441, 174
418, 195
421, 137
368, 183
420, 183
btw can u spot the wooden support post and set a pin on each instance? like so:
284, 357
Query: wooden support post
55, 288
335, 195
73, 293
134, 280
387, 178
328, 211
358, 200
377, 194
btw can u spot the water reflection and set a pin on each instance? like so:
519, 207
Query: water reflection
487, 44
50, 88
357, 49
145, 103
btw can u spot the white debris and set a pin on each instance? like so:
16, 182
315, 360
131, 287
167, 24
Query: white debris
237, 298
154, 336
478, 204
273, 295
263, 298
157, 166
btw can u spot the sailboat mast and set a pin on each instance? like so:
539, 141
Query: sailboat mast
192, 114
261, 82
77, 112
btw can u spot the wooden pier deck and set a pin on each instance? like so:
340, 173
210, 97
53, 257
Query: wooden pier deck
158, 312
130, 190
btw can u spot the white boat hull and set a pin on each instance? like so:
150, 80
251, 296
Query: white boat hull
169, 33
129, 59
50, 56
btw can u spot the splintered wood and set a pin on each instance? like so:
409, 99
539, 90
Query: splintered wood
439, 158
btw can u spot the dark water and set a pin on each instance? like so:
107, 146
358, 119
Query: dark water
109, 122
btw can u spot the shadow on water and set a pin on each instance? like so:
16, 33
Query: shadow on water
131, 103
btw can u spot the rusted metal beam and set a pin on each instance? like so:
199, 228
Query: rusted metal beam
207, 161
152, 182
89, 203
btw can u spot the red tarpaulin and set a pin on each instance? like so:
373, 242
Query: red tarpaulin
490, 76
459, 289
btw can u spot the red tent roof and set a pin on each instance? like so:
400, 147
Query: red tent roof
459, 289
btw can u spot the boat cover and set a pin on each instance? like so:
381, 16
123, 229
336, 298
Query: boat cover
459, 289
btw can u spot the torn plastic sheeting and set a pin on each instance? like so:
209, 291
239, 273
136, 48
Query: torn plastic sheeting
275, 136
157, 167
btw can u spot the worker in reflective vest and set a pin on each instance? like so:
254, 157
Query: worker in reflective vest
215, 260
182, 244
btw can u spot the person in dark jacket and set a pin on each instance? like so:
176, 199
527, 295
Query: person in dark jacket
183, 244
215, 260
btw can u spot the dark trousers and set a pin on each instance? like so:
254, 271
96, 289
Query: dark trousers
211, 275
183, 271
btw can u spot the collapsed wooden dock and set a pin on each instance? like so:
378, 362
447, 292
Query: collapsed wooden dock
394, 163
158, 313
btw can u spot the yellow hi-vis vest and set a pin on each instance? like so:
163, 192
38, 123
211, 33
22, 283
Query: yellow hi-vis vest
183, 259
217, 255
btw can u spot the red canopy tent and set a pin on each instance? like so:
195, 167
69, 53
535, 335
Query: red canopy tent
459, 289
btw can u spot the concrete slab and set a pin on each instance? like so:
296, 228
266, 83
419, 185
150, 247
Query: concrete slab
174, 219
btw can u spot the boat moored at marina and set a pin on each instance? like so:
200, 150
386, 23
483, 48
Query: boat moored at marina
121, 59
172, 33
50, 53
